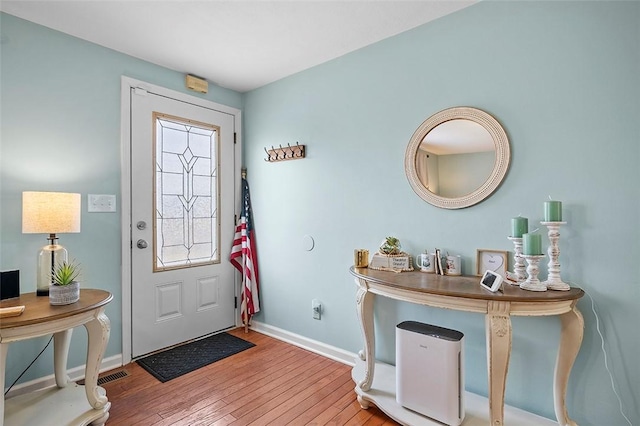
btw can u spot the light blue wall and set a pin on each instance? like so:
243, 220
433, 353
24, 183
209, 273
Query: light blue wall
561, 77
60, 122
564, 80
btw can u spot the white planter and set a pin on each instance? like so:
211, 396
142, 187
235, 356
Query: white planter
64, 294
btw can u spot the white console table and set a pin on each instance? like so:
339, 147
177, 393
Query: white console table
67, 403
464, 293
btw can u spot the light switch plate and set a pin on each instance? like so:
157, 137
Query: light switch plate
101, 203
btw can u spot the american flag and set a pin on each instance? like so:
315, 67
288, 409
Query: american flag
243, 257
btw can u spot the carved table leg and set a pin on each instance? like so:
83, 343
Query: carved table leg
570, 340
498, 331
364, 301
98, 331
363, 402
61, 342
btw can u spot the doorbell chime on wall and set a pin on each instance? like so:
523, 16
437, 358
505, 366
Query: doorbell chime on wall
196, 84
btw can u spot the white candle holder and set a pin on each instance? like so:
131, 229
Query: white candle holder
519, 268
554, 282
532, 283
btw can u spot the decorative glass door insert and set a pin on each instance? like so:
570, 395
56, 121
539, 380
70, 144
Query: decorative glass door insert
186, 188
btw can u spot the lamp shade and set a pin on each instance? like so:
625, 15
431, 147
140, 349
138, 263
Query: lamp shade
50, 212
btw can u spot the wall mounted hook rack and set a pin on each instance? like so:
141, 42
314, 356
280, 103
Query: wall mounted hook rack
288, 152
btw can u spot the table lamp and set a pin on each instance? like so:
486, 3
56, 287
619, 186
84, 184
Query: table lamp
50, 213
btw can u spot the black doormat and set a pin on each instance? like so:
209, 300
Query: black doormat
183, 359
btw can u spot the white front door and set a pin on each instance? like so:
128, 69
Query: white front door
182, 220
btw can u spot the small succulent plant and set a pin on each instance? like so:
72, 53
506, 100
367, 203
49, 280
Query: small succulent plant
390, 245
65, 273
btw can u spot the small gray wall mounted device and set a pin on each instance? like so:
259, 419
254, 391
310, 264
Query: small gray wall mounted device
429, 371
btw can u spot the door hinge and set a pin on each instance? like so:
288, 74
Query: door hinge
235, 137
235, 302
235, 219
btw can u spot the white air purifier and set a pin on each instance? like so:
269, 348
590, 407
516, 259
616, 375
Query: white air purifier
429, 371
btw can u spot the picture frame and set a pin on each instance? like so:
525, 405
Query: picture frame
492, 260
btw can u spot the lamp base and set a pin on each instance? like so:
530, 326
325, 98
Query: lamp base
48, 257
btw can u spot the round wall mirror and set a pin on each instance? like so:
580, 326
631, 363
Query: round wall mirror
457, 157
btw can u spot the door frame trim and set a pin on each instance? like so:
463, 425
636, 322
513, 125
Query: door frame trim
126, 84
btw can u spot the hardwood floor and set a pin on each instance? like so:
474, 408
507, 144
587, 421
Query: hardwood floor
273, 383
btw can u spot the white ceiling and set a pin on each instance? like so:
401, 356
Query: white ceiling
237, 44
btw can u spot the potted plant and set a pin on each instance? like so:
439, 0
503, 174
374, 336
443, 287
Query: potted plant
390, 246
64, 288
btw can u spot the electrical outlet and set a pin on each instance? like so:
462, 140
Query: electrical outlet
316, 306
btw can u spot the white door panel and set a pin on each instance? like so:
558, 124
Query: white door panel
182, 206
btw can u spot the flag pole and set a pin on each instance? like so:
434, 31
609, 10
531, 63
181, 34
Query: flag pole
243, 258
243, 174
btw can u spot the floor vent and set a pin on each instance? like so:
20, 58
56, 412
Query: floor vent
120, 374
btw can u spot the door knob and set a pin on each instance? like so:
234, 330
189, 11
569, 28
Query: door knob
142, 244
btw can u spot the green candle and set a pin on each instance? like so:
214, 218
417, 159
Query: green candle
531, 244
553, 211
519, 225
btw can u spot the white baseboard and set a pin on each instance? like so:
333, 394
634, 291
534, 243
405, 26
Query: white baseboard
320, 348
74, 374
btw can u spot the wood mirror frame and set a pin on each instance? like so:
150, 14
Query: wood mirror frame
495, 178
